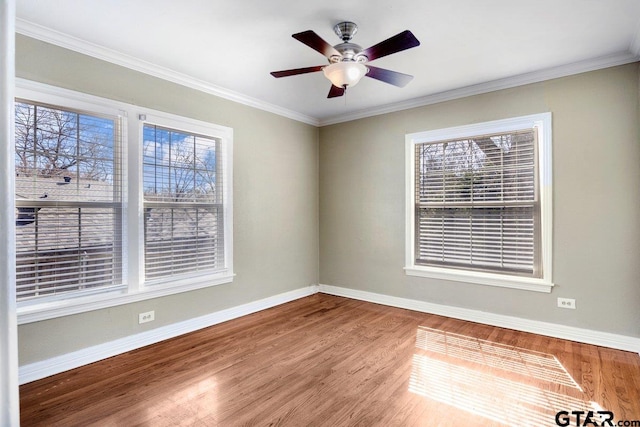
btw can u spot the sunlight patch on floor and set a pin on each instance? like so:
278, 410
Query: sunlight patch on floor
530, 363
506, 384
186, 405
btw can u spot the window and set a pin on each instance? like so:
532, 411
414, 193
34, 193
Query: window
115, 203
479, 203
68, 201
183, 203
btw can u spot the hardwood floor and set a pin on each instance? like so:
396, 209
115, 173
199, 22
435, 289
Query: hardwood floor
331, 361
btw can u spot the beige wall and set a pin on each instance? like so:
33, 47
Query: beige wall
596, 168
275, 200
342, 223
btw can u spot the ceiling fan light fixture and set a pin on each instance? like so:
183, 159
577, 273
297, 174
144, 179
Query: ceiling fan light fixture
345, 74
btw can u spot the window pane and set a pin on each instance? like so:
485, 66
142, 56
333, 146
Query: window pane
66, 249
491, 168
496, 239
180, 167
64, 156
183, 240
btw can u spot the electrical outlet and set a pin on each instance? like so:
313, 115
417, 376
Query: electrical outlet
567, 303
148, 316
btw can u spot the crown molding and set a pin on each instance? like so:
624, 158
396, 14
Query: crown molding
66, 41
593, 64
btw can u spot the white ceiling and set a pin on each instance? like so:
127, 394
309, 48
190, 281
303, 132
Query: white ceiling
229, 47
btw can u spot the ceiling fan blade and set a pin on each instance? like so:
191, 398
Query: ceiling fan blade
316, 43
296, 71
398, 43
335, 91
388, 76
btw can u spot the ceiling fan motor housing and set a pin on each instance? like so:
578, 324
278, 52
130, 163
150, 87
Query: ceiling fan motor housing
349, 52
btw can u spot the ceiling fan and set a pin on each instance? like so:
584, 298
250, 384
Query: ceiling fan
347, 60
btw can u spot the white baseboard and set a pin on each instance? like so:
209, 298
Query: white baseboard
44, 368
571, 333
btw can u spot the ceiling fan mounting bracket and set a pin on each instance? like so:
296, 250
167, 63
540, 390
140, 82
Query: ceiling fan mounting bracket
345, 30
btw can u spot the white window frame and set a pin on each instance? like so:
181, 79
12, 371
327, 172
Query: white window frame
134, 288
542, 122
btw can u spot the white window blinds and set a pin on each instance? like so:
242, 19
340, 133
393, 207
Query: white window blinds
476, 203
183, 203
68, 201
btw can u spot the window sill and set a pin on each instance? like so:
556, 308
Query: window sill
479, 278
35, 312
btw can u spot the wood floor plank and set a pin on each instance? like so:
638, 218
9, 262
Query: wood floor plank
332, 361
